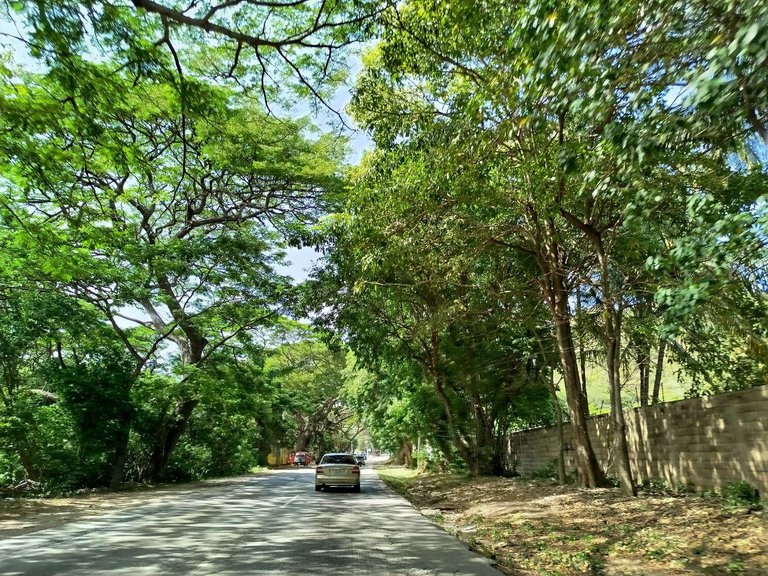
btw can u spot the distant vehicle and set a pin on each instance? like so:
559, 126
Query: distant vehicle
301, 459
361, 458
337, 469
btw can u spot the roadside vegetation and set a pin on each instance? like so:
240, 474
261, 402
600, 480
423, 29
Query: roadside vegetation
563, 210
538, 527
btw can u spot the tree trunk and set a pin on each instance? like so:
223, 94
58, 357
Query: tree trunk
459, 441
659, 371
498, 464
406, 454
305, 437
118, 460
28, 462
171, 429
612, 314
582, 357
553, 283
644, 367
586, 462
487, 443
560, 434
192, 346
618, 423
484, 444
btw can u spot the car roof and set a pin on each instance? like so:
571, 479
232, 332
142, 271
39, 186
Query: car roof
338, 454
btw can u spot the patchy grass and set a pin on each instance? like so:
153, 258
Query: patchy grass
536, 527
397, 477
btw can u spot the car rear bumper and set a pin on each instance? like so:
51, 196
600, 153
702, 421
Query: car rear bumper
350, 480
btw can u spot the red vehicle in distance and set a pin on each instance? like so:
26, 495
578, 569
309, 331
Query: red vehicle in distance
300, 458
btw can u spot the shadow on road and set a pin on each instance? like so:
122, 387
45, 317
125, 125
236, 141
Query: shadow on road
277, 524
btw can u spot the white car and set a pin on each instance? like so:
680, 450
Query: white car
337, 469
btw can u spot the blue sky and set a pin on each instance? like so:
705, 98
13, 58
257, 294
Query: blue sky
301, 260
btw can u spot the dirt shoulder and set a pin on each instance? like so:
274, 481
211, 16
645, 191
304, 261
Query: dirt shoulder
536, 527
24, 515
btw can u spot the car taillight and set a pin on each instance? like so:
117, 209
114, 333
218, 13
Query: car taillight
318, 470
356, 470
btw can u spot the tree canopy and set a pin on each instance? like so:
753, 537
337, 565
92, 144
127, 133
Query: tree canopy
553, 187
162, 213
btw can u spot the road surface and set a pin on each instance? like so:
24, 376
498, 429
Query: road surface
275, 524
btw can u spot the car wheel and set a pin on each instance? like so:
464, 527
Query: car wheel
357, 488
318, 487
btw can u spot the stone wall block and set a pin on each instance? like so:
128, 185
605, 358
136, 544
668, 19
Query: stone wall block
707, 442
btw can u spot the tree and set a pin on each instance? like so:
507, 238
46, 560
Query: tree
237, 421
407, 290
529, 229
94, 387
311, 379
162, 217
272, 45
582, 130
66, 411
31, 327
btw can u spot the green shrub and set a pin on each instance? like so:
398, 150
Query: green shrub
546, 472
189, 462
683, 488
740, 494
655, 487
11, 470
432, 461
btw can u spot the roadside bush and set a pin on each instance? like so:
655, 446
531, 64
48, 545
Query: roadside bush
741, 493
56, 448
655, 487
189, 462
432, 461
546, 472
136, 460
11, 470
457, 465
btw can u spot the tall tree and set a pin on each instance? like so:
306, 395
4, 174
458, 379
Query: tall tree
165, 217
585, 126
311, 378
409, 285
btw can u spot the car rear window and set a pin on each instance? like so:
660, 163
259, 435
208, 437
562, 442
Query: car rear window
339, 459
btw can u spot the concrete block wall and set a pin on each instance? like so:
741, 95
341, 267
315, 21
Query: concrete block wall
706, 442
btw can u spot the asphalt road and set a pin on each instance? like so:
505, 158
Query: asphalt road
275, 524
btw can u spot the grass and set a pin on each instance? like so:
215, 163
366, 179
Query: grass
673, 387
398, 478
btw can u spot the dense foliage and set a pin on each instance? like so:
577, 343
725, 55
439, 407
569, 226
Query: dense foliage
554, 186
144, 213
554, 182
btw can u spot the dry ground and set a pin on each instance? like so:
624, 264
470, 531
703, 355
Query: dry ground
535, 527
